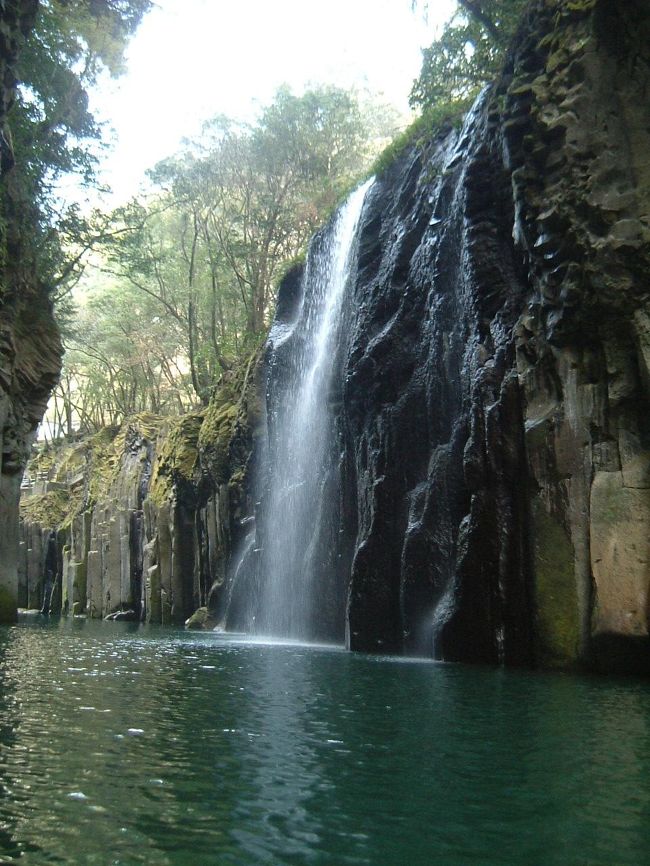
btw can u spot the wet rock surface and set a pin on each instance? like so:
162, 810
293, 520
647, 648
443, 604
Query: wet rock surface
490, 388
495, 402
492, 433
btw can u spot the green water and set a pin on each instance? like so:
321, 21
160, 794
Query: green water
120, 745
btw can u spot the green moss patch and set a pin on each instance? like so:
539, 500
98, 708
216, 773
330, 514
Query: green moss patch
144, 426
233, 406
100, 464
556, 600
49, 509
176, 456
215, 435
431, 124
92, 469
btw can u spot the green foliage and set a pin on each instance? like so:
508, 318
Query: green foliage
123, 357
318, 139
43, 460
55, 134
93, 460
467, 55
434, 121
297, 261
188, 277
258, 192
99, 456
46, 509
92, 468
469, 52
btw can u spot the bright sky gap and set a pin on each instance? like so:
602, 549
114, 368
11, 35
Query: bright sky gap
193, 59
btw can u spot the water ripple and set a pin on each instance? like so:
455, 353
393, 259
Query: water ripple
125, 746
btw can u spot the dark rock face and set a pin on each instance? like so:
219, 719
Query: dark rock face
432, 413
30, 349
495, 402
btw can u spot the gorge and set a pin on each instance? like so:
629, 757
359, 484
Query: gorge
483, 440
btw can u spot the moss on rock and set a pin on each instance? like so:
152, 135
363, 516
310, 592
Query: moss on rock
432, 124
215, 435
199, 619
43, 460
176, 456
229, 421
556, 600
50, 509
145, 425
99, 464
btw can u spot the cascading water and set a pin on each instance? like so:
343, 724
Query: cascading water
300, 505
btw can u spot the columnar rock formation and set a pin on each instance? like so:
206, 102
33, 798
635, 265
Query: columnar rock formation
491, 403
496, 384
493, 398
145, 516
30, 350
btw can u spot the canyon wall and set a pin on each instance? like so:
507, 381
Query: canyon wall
495, 417
491, 382
143, 517
491, 405
30, 348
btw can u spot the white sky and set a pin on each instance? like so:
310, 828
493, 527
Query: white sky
192, 59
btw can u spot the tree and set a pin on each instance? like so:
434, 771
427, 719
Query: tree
188, 275
205, 254
263, 190
54, 132
123, 357
468, 54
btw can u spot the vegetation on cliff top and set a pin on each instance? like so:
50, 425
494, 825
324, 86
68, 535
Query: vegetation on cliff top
433, 121
176, 455
469, 52
51, 509
467, 55
82, 472
187, 278
53, 132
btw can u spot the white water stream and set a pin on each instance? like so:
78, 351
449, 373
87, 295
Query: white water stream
300, 497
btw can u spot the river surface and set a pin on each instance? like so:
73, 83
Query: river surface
124, 745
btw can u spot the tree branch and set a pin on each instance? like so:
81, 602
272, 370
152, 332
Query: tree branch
473, 8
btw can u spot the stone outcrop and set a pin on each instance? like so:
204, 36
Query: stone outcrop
149, 513
30, 349
493, 416
495, 411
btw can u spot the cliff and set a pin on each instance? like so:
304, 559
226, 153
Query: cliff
30, 349
490, 392
495, 400
490, 454
145, 516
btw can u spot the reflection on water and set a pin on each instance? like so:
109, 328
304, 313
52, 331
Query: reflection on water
123, 745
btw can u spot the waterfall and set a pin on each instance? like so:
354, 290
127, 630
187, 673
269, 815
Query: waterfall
299, 506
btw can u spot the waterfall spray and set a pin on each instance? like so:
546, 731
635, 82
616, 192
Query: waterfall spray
302, 476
